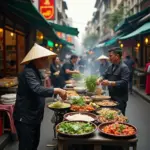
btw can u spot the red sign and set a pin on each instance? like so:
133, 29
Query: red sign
47, 9
69, 39
59, 34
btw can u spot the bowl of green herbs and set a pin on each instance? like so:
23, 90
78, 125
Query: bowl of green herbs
76, 128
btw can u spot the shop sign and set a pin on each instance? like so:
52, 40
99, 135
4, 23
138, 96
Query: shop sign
47, 9
69, 39
59, 34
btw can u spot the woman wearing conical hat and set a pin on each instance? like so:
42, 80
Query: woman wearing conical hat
103, 64
31, 94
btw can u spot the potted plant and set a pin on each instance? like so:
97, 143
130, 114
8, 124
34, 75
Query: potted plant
91, 84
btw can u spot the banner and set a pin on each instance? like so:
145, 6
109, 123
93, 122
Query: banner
47, 9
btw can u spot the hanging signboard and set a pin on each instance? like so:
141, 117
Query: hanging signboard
47, 9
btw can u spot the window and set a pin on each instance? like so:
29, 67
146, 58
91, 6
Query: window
10, 47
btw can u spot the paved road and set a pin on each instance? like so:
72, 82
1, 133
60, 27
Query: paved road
138, 112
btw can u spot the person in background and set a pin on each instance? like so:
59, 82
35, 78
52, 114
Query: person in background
81, 65
61, 62
67, 70
147, 70
55, 70
30, 100
131, 64
103, 64
116, 78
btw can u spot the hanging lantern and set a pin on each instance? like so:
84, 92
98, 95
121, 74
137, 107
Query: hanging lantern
60, 45
138, 44
146, 40
121, 45
56, 45
41, 37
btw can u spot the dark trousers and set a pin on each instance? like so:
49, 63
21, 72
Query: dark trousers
130, 82
28, 135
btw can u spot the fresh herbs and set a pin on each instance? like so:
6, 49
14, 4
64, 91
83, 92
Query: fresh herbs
77, 76
78, 101
75, 128
91, 83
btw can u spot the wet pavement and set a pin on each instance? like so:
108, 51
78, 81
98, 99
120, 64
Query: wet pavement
138, 112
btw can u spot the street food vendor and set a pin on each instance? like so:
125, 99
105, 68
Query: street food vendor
31, 94
67, 70
116, 78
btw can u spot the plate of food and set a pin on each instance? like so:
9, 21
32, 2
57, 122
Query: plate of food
107, 103
79, 105
71, 93
112, 117
76, 116
80, 89
120, 130
69, 85
59, 105
76, 128
103, 111
100, 97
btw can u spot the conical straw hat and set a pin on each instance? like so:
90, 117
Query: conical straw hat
36, 52
102, 57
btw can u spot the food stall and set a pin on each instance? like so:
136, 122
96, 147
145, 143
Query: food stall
91, 119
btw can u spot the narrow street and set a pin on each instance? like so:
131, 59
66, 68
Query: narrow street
138, 112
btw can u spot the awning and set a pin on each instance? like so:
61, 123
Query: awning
113, 40
142, 30
64, 42
132, 19
100, 45
26, 10
65, 29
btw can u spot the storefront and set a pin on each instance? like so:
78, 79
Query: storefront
12, 45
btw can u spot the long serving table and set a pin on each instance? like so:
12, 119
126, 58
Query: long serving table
97, 140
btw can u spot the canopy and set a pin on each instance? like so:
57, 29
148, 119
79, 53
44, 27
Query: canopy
132, 19
113, 40
26, 10
65, 29
143, 29
64, 42
100, 45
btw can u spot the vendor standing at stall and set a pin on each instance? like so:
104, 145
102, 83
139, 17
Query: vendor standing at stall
116, 78
103, 64
31, 94
68, 70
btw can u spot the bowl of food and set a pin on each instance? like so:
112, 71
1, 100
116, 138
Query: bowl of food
71, 93
100, 97
107, 103
59, 105
80, 89
69, 85
103, 111
79, 105
76, 128
119, 130
83, 116
112, 117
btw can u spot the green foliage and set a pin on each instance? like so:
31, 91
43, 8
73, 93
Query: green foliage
91, 83
114, 18
90, 40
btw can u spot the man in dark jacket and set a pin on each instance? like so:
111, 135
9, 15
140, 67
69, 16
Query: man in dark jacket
116, 78
67, 70
30, 102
